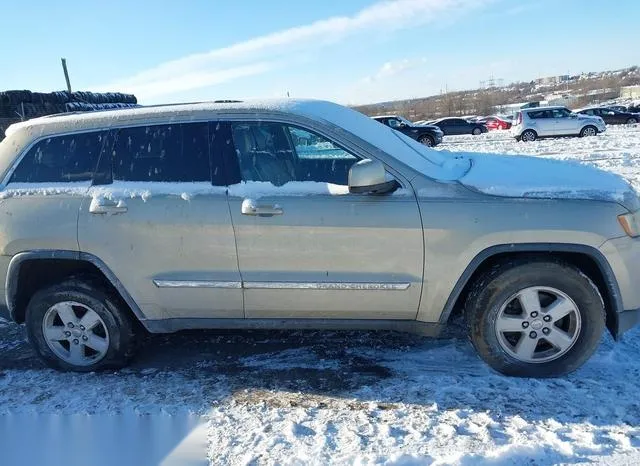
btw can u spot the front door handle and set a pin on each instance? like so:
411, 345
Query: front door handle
100, 205
251, 207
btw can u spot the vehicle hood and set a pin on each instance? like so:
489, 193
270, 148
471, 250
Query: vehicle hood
540, 178
427, 126
582, 116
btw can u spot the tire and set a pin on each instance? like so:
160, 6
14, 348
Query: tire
632, 121
588, 131
426, 140
114, 330
476, 131
492, 297
528, 135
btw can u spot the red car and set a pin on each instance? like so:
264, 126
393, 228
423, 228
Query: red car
494, 122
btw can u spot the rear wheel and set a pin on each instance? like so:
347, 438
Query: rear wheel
632, 121
476, 131
535, 318
426, 140
528, 135
78, 326
588, 131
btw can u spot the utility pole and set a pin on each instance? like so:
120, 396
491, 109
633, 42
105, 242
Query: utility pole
66, 74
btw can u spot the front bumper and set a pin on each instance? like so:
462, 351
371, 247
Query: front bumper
623, 255
4, 311
626, 320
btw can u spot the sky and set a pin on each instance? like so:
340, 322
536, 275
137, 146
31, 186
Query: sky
351, 52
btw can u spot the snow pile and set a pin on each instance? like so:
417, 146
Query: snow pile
76, 188
146, 190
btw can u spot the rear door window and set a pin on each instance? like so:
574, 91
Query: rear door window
162, 153
61, 159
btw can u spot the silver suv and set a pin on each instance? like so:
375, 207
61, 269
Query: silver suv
304, 214
540, 122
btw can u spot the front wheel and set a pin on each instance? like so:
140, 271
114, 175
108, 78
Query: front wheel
535, 318
476, 131
632, 121
426, 140
588, 131
78, 326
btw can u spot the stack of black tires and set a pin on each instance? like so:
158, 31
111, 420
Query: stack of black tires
22, 105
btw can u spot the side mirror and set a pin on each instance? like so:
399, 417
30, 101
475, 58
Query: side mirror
402, 124
368, 176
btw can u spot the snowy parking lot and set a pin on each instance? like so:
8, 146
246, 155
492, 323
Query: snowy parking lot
322, 397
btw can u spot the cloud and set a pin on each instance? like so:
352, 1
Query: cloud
238, 60
394, 68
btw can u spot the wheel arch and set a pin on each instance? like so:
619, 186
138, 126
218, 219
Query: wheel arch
589, 125
30, 270
427, 135
587, 259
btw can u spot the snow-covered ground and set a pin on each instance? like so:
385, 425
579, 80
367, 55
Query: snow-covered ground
321, 397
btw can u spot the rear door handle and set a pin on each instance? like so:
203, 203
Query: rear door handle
251, 207
107, 206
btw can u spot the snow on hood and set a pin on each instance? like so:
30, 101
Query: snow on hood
534, 177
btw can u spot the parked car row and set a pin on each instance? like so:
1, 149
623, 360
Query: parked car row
526, 125
429, 135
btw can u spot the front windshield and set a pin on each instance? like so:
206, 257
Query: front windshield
405, 121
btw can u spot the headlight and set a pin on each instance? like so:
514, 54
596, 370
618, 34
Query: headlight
630, 223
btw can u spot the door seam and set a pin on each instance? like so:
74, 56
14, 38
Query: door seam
235, 242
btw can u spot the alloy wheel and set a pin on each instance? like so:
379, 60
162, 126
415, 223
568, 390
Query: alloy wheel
426, 141
538, 324
75, 333
528, 136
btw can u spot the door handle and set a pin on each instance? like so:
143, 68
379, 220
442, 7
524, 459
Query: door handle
107, 206
251, 207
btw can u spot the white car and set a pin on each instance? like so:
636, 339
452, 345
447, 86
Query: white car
539, 122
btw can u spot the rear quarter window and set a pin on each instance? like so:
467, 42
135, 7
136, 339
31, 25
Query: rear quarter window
60, 159
538, 114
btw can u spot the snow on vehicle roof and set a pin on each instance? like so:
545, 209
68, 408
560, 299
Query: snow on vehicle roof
536, 109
